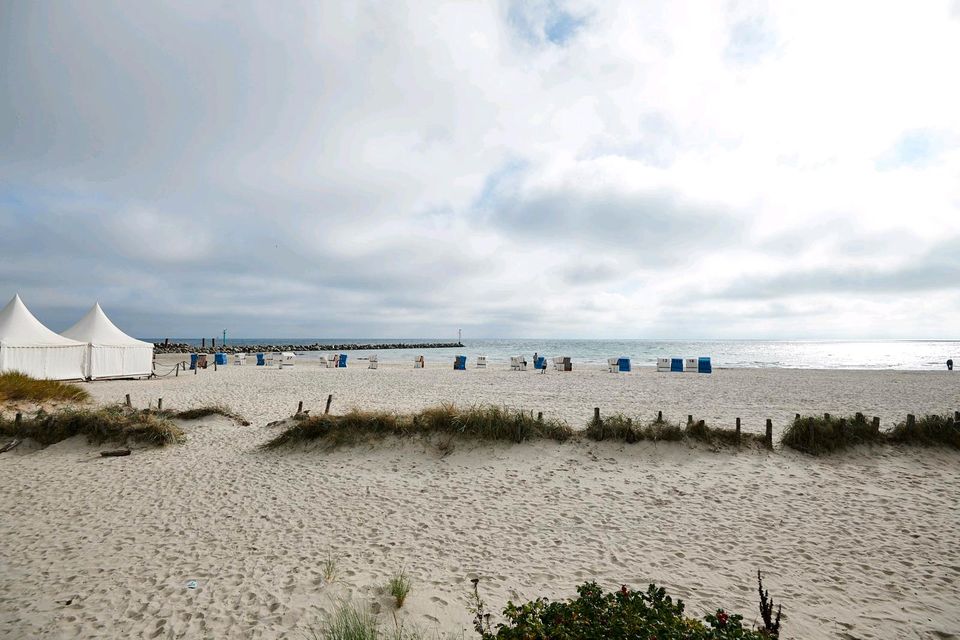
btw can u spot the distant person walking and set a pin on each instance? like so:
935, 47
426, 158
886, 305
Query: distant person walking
950, 364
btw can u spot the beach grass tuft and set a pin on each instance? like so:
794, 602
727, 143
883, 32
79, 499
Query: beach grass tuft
483, 423
399, 587
929, 431
819, 435
350, 621
16, 386
106, 424
330, 568
203, 412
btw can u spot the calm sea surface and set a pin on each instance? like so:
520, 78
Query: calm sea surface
884, 354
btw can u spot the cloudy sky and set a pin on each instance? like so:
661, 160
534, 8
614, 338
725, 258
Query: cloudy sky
517, 169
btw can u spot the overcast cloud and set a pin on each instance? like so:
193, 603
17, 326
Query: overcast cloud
542, 169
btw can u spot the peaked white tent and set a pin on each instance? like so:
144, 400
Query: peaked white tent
29, 347
110, 352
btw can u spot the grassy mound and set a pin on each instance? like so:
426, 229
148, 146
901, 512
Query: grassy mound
109, 424
15, 386
202, 412
818, 435
482, 423
623, 429
928, 431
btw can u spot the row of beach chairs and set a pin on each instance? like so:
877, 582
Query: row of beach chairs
684, 365
517, 363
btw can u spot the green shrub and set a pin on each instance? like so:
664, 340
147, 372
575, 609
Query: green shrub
108, 424
16, 386
622, 615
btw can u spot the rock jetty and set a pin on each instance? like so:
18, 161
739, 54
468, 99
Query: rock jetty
181, 347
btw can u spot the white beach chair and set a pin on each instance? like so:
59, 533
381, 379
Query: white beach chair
481, 362
558, 363
663, 364
287, 359
239, 358
613, 364
418, 362
323, 361
690, 365
373, 361
518, 363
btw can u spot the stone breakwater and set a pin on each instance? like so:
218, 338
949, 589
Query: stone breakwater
180, 347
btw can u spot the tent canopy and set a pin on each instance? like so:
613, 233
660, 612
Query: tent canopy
111, 352
97, 329
18, 328
29, 347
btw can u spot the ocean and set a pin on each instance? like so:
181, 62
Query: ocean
802, 354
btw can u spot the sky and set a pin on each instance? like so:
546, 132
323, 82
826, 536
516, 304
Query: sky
515, 169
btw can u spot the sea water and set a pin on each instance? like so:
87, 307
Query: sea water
802, 354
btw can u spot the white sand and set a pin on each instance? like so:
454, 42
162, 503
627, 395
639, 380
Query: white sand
861, 545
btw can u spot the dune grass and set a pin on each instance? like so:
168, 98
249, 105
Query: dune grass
398, 586
482, 423
202, 412
819, 435
350, 621
928, 431
619, 428
107, 424
15, 387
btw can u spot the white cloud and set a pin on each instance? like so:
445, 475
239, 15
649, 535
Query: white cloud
556, 168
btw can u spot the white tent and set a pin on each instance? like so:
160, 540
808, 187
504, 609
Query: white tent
111, 353
29, 347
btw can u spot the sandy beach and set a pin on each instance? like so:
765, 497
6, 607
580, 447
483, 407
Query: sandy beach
858, 545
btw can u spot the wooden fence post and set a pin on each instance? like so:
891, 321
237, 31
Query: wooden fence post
911, 422
329, 400
300, 407
18, 420
876, 424
689, 419
769, 433
659, 416
159, 404
738, 430
128, 400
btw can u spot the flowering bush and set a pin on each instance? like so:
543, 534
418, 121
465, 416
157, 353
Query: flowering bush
621, 615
